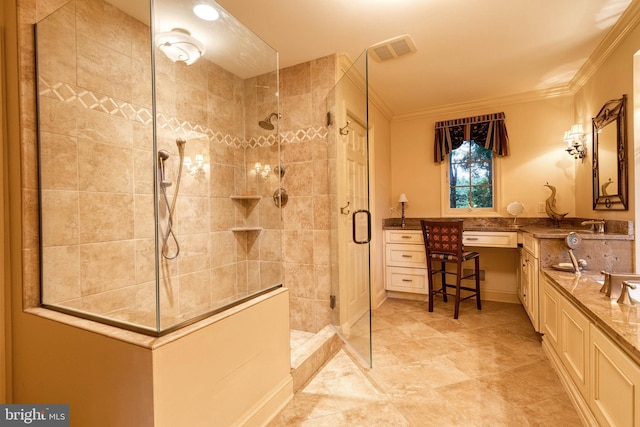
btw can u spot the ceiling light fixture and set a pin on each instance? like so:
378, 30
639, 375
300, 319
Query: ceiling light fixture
179, 45
206, 12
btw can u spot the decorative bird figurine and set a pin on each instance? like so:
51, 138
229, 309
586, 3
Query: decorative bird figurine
550, 204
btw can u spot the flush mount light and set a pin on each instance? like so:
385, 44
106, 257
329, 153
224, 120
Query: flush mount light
206, 12
179, 45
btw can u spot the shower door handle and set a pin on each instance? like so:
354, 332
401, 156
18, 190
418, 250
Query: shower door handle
354, 226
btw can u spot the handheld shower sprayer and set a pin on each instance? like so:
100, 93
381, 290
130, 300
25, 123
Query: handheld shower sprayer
163, 155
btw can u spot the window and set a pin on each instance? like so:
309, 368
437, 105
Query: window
470, 177
469, 151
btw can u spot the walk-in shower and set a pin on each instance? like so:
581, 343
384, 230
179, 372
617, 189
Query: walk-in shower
133, 231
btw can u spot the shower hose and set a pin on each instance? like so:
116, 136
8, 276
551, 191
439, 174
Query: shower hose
171, 209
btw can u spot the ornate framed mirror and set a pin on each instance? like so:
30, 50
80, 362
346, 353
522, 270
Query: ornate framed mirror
610, 176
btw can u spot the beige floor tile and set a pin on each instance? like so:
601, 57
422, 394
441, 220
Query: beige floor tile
485, 369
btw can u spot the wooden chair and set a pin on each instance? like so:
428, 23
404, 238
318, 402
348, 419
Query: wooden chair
443, 243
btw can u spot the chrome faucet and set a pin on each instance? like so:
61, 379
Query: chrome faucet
597, 225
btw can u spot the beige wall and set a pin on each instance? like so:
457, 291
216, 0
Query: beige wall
618, 74
613, 78
235, 372
105, 381
536, 157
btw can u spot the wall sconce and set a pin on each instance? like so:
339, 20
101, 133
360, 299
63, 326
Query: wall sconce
574, 138
196, 167
263, 171
402, 200
179, 45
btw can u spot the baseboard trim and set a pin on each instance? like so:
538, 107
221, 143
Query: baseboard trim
499, 296
486, 295
269, 407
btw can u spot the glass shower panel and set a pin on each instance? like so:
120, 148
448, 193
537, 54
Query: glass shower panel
153, 212
347, 104
95, 151
215, 81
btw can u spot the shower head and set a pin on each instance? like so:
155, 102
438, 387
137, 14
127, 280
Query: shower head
266, 123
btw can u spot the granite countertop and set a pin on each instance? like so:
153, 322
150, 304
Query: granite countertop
620, 322
540, 228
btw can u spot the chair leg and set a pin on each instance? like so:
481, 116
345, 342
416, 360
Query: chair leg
458, 276
477, 266
444, 281
431, 294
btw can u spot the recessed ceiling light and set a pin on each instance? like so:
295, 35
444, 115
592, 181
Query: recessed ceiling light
206, 12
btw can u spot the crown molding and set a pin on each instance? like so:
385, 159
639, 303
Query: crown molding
628, 20
486, 103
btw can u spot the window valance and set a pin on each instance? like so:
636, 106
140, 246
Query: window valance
488, 131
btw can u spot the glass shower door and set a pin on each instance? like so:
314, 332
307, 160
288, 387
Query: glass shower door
351, 231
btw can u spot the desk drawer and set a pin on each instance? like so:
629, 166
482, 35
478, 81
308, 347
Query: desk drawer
490, 239
404, 236
406, 256
406, 280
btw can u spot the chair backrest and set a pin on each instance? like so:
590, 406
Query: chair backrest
442, 237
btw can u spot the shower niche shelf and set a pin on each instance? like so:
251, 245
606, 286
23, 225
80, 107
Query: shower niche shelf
243, 198
248, 202
239, 229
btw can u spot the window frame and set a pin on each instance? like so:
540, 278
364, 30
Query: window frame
446, 211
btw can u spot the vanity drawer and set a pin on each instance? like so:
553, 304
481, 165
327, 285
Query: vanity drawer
403, 236
406, 256
490, 239
530, 244
406, 280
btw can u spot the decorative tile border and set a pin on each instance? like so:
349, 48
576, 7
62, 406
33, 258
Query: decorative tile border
86, 99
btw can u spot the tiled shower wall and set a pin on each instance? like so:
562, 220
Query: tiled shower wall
97, 180
308, 162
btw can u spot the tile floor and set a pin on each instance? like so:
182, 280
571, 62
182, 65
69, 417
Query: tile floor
485, 369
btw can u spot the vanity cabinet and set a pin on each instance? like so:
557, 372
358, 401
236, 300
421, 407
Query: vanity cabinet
528, 286
405, 261
602, 379
550, 315
614, 386
573, 345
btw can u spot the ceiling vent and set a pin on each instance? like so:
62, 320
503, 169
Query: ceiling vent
394, 48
